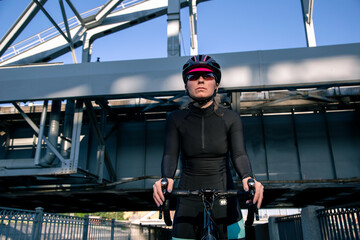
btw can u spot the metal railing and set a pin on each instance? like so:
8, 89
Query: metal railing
290, 227
53, 32
38, 225
339, 223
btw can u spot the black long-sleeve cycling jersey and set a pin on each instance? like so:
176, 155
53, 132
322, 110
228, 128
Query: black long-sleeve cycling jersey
204, 138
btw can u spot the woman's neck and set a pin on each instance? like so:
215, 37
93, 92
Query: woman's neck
205, 105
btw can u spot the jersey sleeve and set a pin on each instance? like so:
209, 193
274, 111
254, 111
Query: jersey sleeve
171, 149
238, 153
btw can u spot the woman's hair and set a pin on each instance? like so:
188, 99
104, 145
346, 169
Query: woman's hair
217, 109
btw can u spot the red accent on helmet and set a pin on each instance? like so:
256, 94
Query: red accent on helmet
200, 70
201, 62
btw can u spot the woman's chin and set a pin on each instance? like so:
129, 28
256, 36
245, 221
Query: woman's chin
202, 96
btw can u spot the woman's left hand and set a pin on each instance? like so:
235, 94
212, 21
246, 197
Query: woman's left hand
259, 191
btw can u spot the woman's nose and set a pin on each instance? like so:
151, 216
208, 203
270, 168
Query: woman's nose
200, 79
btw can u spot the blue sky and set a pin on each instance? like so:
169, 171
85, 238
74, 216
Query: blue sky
223, 26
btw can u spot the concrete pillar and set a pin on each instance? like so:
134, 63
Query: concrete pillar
310, 223
273, 229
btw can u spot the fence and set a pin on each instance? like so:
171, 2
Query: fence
290, 227
319, 223
340, 223
37, 225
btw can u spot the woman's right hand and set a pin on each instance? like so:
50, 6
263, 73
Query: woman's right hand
157, 191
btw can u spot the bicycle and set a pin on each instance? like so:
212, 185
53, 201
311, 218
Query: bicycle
208, 197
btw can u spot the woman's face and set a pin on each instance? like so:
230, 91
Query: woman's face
202, 87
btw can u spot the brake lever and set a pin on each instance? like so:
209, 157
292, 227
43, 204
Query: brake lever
164, 184
251, 184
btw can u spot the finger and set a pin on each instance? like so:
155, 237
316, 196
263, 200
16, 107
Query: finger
261, 197
257, 194
159, 191
157, 202
156, 196
245, 184
259, 190
170, 185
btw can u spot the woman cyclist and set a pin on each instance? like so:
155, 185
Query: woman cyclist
206, 136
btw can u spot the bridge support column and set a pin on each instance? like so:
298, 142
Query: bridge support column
68, 128
173, 28
54, 127
87, 49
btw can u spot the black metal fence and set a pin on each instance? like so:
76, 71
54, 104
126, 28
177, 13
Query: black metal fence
290, 227
38, 225
334, 224
339, 223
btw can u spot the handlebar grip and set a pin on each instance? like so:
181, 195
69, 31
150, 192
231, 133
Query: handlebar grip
165, 208
252, 208
164, 184
251, 184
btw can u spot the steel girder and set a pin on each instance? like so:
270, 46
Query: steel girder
30, 166
307, 10
19, 25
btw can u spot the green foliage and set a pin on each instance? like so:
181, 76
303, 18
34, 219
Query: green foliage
105, 215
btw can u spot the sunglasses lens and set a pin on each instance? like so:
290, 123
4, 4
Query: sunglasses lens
205, 76
208, 76
192, 77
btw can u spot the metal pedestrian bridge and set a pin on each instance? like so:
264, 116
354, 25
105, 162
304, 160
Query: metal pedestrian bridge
89, 137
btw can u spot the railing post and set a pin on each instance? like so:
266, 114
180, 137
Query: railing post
273, 229
37, 225
86, 227
112, 229
310, 223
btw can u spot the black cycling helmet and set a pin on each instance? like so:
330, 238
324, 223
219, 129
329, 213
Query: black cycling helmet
200, 62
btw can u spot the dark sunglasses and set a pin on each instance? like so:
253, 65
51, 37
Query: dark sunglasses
205, 76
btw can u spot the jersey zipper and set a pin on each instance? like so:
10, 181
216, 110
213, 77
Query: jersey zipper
203, 132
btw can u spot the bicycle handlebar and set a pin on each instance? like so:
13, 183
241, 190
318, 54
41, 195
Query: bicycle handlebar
216, 193
252, 208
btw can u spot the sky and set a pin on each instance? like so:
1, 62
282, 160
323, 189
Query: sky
223, 26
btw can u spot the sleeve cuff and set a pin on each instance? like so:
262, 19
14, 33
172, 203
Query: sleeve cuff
248, 175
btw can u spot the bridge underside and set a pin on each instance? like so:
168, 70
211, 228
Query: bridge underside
302, 131
303, 150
